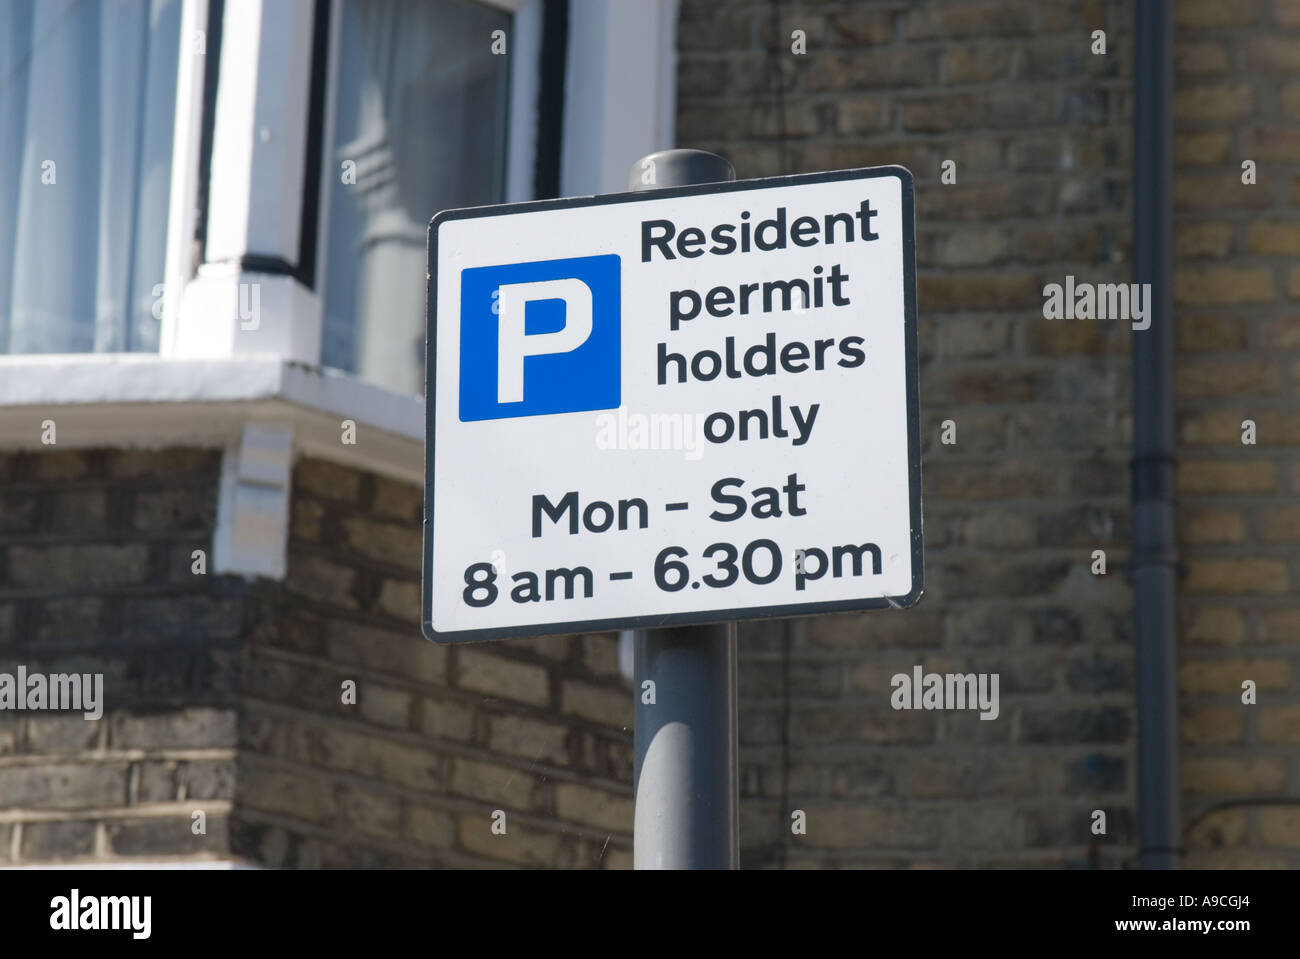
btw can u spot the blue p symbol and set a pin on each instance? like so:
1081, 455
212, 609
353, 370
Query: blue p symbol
540, 338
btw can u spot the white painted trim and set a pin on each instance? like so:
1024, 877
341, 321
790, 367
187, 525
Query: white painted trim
259, 136
252, 533
139, 400
227, 312
619, 91
255, 192
665, 124
187, 134
525, 51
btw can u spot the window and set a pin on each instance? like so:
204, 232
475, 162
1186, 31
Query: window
314, 141
420, 126
87, 104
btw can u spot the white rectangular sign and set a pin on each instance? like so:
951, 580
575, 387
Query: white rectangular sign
685, 406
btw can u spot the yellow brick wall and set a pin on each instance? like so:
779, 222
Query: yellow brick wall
1238, 306
440, 737
1041, 133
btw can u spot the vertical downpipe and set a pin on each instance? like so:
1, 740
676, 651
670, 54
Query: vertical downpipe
1153, 565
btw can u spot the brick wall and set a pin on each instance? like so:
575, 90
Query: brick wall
1236, 288
227, 697
1040, 131
440, 737
95, 577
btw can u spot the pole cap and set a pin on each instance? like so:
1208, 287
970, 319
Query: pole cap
668, 168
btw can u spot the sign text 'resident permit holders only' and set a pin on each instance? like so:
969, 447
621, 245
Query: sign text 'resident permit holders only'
691, 405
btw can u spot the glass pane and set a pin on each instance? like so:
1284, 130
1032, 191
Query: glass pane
87, 108
421, 122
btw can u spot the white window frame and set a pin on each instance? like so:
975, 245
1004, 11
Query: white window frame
255, 189
187, 130
620, 91
257, 172
619, 106
525, 45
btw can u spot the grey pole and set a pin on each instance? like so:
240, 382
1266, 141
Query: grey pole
684, 775
1153, 563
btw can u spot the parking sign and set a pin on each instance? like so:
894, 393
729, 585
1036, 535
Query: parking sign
684, 406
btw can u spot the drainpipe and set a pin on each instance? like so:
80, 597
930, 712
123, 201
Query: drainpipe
1153, 565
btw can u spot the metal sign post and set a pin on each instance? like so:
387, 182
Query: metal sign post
686, 405
684, 777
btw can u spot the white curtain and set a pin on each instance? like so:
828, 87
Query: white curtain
87, 92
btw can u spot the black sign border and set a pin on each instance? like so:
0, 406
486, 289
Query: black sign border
712, 616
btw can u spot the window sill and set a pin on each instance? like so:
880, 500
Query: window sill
144, 400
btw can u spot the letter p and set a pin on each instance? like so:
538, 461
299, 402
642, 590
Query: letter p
514, 343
